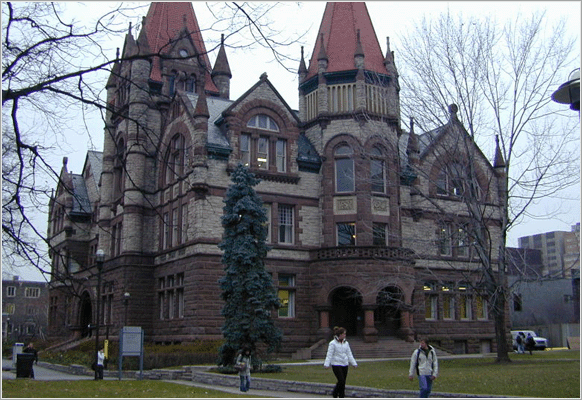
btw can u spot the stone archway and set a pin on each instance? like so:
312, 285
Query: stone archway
346, 310
85, 314
387, 318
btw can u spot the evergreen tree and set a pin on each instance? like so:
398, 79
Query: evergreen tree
247, 288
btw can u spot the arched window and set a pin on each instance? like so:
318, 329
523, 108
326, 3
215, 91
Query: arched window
175, 159
451, 180
377, 171
257, 149
262, 121
344, 169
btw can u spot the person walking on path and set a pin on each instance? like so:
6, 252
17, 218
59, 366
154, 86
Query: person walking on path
530, 343
424, 361
100, 364
339, 357
30, 349
245, 373
520, 346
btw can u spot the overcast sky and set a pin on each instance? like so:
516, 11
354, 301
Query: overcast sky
390, 19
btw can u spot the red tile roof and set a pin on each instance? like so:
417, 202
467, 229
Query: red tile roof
339, 25
163, 23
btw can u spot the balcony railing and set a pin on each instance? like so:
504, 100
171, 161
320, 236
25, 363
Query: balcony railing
377, 252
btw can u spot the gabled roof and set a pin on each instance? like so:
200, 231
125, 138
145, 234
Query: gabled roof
163, 24
339, 26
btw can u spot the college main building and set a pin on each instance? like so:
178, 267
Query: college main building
367, 223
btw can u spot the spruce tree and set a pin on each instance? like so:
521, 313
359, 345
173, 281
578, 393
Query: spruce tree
247, 288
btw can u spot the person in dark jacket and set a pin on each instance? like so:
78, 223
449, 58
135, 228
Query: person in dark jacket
30, 349
530, 343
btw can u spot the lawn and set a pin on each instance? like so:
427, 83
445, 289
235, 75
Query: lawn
25, 388
556, 374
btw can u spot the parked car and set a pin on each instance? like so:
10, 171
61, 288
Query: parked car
541, 343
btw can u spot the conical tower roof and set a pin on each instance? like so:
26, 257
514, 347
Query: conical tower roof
164, 22
339, 26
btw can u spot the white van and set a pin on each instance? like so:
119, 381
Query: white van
541, 343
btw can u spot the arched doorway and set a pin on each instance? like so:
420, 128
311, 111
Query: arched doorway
346, 310
85, 314
387, 315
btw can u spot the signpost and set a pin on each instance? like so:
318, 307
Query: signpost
131, 344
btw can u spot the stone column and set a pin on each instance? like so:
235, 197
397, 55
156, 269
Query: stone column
324, 331
370, 331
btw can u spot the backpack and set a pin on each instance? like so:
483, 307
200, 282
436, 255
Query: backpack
518, 339
418, 355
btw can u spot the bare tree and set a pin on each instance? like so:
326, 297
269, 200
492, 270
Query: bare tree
54, 68
501, 79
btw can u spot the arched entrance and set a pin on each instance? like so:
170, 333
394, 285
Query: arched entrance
346, 310
85, 314
387, 316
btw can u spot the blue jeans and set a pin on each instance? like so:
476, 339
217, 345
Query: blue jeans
425, 385
245, 383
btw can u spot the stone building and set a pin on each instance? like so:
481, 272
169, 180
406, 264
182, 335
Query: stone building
366, 221
24, 310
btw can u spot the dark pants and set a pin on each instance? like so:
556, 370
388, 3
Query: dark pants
99, 372
245, 383
341, 373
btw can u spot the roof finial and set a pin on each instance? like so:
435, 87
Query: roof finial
129, 29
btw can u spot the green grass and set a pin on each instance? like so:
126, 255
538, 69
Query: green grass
550, 374
24, 388
555, 377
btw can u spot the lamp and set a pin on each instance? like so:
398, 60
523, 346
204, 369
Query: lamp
99, 259
569, 92
126, 297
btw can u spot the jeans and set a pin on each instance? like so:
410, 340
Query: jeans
425, 385
341, 373
521, 348
245, 383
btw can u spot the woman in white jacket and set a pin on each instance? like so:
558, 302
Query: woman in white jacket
339, 357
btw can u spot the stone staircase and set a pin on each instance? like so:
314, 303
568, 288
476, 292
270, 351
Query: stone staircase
387, 347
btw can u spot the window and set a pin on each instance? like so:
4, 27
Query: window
450, 180
267, 208
263, 153
9, 308
285, 224
448, 301
286, 296
465, 303
11, 291
116, 233
32, 292
444, 240
118, 165
175, 158
462, 241
245, 150
378, 234
344, 169
346, 234
281, 155
175, 227
430, 307
166, 230
481, 307
180, 294
262, 121
161, 304
517, 302
377, 171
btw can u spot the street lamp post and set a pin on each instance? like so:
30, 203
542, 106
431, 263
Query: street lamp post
99, 258
569, 92
126, 297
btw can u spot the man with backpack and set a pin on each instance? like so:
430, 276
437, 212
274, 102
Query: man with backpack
520, 345
424, 362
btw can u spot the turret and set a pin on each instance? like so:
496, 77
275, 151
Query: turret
221, 74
